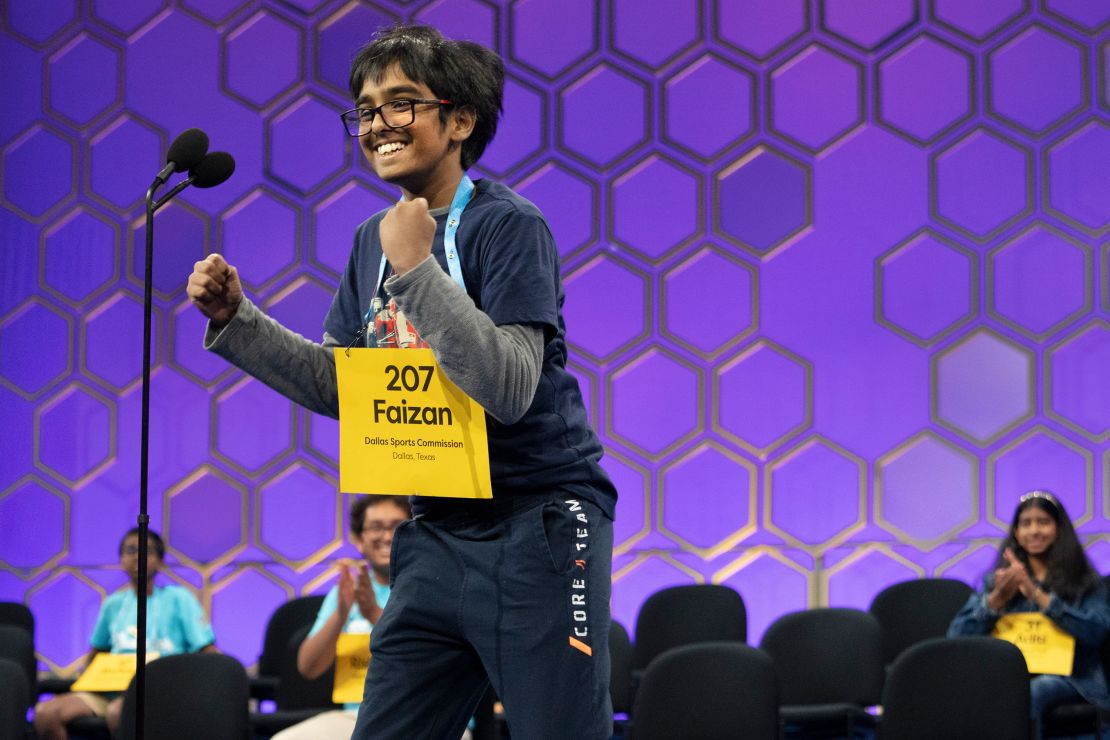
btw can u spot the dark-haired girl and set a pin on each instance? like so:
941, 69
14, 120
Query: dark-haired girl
1041, 567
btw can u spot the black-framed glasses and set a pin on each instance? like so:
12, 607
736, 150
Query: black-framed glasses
395, 114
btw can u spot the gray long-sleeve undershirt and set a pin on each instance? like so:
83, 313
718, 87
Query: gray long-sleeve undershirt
497, 366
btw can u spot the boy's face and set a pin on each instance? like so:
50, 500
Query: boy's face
129, 558
376, 537
418, 157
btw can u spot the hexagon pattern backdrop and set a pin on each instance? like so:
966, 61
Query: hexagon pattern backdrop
836, 279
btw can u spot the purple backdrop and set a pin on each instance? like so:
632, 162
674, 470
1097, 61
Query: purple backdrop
836, 276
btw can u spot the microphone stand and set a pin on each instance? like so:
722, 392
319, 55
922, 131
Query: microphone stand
144, 465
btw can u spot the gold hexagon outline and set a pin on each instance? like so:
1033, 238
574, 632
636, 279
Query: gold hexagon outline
87, 191
1062, 120
825, 575
214, 430
200, 16
699, 216
728, 542
786, 239
70, 570
972, 100
255, 194
326, 181
171, 360
970, 547
1088, 275
157, 320
1104, 277
132, 249
544, 130
646, 496
1049, 354
159, 11
321, 201
618, 53
734, 339
227, 556
1104, 73
578, 371
593, 187
1030, 185
306, 420
934, 386
762, 453
1002, 25
753, 106
973, 284
646, 291
835, 137
53, 560
823, 25
510, 54
297, 279
903, 536
678, 442
1106, 485
120, 85
753, 554
1046, 168
1041, 430
53, 383
212, 589
842, 535
229, 35
319, 554
100, 467
666, 556
62, 203
648, 117
807, 24
50, 231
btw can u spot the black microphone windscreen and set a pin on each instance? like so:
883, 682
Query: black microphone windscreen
188, 149
212, 170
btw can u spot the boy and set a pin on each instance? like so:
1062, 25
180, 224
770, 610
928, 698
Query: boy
517, 588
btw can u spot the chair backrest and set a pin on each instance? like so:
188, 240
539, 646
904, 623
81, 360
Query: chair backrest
825, 656
16, 645
17, 614
294, 691
620, 663
683, 615
912, 611
284, 622
709, 691
961, 688
14, 700
189, 696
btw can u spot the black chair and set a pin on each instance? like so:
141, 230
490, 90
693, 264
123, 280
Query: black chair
14, 700
708, 691
286, 620
620, 661
683, 615
18, 615
830, 668
17, 645
190, 696
912, 611
1081, 718
962, 688
297, 698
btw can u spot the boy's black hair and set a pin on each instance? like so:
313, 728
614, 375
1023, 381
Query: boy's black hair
362, 503
153, 538
1070, 575
463, 72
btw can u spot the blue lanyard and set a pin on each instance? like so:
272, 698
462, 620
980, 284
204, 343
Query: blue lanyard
454, 216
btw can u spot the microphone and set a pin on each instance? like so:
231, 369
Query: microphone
185, 153
214, 169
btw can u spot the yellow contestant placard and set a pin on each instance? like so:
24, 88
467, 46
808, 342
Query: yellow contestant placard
1046, 647
405, 428
109, 672
352, 659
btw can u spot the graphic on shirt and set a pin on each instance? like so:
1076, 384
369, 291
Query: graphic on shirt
392, 329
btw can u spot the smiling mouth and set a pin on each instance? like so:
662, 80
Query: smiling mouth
388, 148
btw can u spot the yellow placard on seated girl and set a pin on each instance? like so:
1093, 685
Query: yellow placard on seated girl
109, 672
405, 428
1046, 647
352, 659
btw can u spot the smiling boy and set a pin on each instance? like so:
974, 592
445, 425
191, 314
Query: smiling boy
513, 591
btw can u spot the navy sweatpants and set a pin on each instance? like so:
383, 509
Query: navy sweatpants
522, 598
